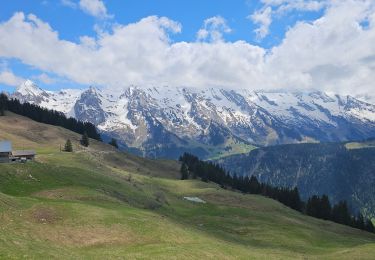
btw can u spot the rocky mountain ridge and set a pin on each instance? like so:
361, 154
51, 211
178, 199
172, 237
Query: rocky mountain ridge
165, 121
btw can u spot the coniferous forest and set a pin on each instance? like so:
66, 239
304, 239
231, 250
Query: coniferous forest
47, 116
318, 207
3, 103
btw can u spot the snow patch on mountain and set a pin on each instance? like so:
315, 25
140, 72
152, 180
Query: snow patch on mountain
29, 88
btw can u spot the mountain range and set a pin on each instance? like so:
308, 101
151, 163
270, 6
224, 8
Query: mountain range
211, 122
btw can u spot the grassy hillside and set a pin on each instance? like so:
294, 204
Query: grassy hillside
360, 145
98, 203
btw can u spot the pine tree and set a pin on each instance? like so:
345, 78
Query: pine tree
325, 208
312, 206
68, 146
113, 142
340, 213
369, 226
85, 140
3, 104
295, 200
184, 172
359, 222
254, 187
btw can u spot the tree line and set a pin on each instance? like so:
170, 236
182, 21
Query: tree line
47, 116
318, 207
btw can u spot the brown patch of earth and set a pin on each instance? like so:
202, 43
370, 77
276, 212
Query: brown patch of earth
88, 235
45, 215
74, 194
237, 200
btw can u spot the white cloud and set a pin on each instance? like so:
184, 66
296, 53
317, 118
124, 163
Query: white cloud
94, 8
264, 16
333, 53
264, 19
303, 5
213, 29
8, 78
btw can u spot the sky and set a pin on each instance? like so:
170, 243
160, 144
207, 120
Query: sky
236, 44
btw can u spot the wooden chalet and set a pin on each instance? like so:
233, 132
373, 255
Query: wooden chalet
23, 155
8, 155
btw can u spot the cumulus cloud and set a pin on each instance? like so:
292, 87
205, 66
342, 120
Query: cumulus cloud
264, 16
333, 53
264, 19
8, 78
213, 29
94, 8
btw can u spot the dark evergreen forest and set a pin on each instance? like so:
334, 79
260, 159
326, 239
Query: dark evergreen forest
318, 207
47, 116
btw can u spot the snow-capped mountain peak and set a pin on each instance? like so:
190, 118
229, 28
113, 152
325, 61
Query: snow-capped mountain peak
175, 118
30, 88
62, 100
366, 98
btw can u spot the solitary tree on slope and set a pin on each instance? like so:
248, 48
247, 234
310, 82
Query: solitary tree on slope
85, 140
68, 146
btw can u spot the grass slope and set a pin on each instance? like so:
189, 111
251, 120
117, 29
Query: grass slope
98, 203
360, 145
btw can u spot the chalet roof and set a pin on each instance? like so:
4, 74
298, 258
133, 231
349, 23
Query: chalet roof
24, 153
5, 146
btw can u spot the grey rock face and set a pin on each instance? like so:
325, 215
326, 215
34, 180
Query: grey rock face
89, 107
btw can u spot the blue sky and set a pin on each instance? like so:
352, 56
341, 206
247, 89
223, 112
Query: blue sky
233, 21
73, 23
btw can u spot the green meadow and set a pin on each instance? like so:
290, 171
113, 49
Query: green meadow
98, 203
